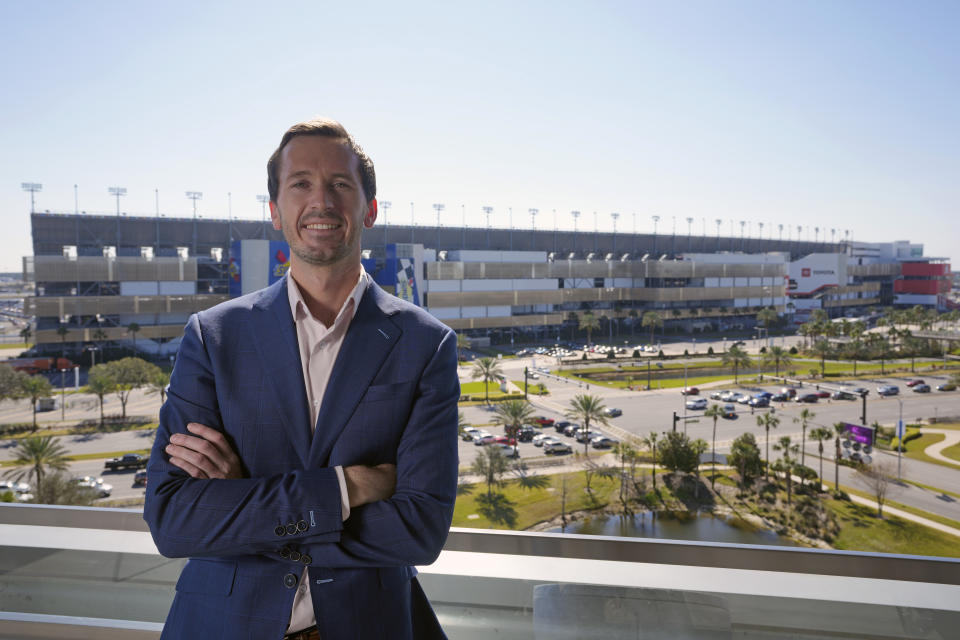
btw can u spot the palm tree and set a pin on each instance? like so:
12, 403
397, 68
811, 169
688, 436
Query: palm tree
512, 414
822, 349
820, 434
35, 387
713, 411
37, 454
767, 316
100, 382
159, 383
788, 450
839, 429
133, 328
586, 408
62, 331
589, 323
768, 421
26, 333
650, 442
653, 320
777, 356
736, 357
805, 416
633, 321
488, 370
463, 342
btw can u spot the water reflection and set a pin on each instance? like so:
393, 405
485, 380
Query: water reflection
678, 525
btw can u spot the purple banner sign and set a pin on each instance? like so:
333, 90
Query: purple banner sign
858, 433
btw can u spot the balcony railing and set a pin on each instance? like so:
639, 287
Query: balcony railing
75, 572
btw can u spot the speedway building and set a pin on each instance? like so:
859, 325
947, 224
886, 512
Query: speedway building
95, 275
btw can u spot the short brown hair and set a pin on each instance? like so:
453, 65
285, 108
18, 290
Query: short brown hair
327, 128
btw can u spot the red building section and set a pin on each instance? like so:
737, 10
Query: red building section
923, 278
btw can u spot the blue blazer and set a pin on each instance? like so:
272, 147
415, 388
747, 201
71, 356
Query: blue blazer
392, 397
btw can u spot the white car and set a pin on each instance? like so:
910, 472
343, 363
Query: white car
101, 488
697, 403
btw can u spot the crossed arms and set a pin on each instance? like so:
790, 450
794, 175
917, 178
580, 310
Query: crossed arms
200, 504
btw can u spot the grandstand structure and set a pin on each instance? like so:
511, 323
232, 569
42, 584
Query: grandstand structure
136, 280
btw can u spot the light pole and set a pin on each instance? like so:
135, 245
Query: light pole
614, 215
487, 211
439, 208
413, 223
533, 218
689, 228
575, 215
656, 219
194, 195
32, 187
385, 204
117, 191
63, 397
263, 200
719, 222
900, 433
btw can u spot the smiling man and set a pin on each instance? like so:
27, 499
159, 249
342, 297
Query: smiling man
306, 457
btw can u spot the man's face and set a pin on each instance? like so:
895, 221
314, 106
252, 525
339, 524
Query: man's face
321, 207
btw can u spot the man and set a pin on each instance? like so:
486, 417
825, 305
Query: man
306, 457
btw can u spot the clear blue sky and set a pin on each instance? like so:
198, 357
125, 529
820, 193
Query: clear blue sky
842, 115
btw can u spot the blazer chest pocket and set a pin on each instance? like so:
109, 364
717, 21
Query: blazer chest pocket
206, 576
384, 392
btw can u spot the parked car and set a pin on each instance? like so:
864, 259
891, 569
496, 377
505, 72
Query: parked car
843, 395
571, 429
561, 425
947, 387
507, 450
728, 395
690, 391
612, 412
482, 438
888, 390
587, 436
921, 388
807, 397
763, 394
759, 403
527, 433
729, 411
860, 391
97, 485
716, 395
916, 382
697, 403
543, 421
779, 397
743, 398
126, 461
543, 439
790, 391
140, 478
603, 442
555, 448
468, 433
505, 440
823, 393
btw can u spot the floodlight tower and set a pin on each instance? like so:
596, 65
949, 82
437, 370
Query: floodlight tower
486, 212
32, 187
780, 226
195, 195
413, 222
656, 219
533, 218
439, 208
719, 222
385, 204
743, 223
117, 191
614, 215
689, 231
263, 200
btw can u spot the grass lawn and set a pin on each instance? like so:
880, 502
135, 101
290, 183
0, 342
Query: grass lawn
640, 381
861, 530
952, 452
477, 387
91, 456
903, 507
915, 448
521, 508
74, 431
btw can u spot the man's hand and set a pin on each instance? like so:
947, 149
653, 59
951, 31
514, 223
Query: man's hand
369, 484
206, 454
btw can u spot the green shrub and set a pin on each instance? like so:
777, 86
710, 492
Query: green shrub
710, 351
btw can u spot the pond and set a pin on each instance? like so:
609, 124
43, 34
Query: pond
677, 525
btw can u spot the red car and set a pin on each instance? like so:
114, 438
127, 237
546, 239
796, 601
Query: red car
543, 421
823, 394
690, 391
914, 383
505, 440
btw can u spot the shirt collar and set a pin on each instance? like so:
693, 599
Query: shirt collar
299, 309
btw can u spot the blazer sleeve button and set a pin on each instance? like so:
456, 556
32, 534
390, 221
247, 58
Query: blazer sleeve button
295, 555
301, 525
291, 529
290, 580
280, 530
306, 559
284, 552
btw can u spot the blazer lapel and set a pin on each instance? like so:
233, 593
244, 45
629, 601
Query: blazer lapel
370, 338
274, 334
